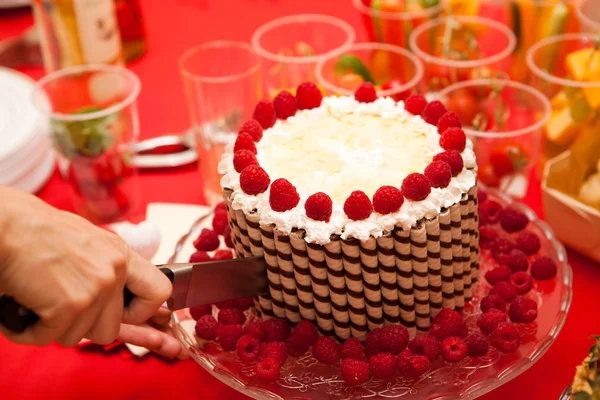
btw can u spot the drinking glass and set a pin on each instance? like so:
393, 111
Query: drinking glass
290, 47
588, 12
222, 85
504, 120
94, 124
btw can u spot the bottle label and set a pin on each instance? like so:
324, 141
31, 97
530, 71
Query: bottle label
98, 30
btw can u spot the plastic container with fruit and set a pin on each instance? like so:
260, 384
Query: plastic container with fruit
588, 12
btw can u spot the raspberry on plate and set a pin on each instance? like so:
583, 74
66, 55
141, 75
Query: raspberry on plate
452, 158
506, 337
294, 349
488, 321
223, 255
274, 350
200, 311
453, 139
354, 372
285, 105
403, 363
453, 349
243, 158
528, 242
231, 316
448, 328
415, 103
523, 310
308, 96
506, 290
522, 282
448, 315
304, 334
481, 195
326, 350
254, 180
394, 338
416, 187
277, 330
283, 195
543, 269
248, 348
267, 369
418, 365
439, 174
383, 365
516, 260
513, 220
253, 128
244, 142
256, 329
199, 256
365, 93
498, 274
319, 206
219, 221
264, 113
353, 348
448, 120
207, 327
229, 336
493, 301
425, 345
502, 246
358, 206
489, 212
243, 304
208, 240
227, 237
433, 111
487, 236
477, 344
387, 200
373, 344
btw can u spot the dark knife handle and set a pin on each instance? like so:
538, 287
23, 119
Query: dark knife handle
17, 318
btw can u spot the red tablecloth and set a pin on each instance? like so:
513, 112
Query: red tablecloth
172, 27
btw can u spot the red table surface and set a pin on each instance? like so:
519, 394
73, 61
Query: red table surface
172, 27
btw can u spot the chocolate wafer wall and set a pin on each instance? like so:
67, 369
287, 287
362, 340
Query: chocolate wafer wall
465, 228
432, 227
446, 259
286, 275
457, 264
404, 275
304, 291
354, 288
474, 237
337, 288
320, 287
418, 244
275, 286
388, 279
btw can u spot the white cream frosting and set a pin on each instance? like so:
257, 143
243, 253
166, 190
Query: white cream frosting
343, 146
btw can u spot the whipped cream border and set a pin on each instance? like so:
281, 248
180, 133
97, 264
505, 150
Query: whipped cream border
376, 225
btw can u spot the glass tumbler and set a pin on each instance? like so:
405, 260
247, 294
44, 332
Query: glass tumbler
588, 12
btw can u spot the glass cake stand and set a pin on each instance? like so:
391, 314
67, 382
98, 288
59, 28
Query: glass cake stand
305, 378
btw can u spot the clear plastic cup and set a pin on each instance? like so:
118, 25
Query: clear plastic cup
94, 124
290, 47
588, 12
504, 120
395, 71
454, 49
221, 81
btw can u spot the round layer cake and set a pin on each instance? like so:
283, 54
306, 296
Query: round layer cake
365, 213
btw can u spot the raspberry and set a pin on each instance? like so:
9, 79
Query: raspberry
253, 128
229, 336
453, 349
358, 206
387, 199
516, 260
283, 195
394, 338
486, 237
433, 112
231, 316
285, 105
373, 344
489, 212
448, 120
223, 255
221, 206
416, 187
415, 103
439, 174
481, 195
493, 301
505, 337
418, 365
513, 220
318, 206
267, 369
425, 345
227, 237
477, 344
207, 241
243, 304
447, 315
501, 273
452, 158
243, 158
501, 246
528, 242
522, 282
506, 290
523, 310
199, 256
244, 142
453, 139
220, 221
326, 350
207, 327
352, 348
248, 348
295, 349
274, 350
543, 269
383, 365
200, 311
254, 180
354, 372
277, 330
264, 113
366, 93
488, 321
224, 304
403, 364
304, 334
256, 329
308, 96
448, 327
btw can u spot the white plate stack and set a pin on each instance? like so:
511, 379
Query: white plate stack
26, 156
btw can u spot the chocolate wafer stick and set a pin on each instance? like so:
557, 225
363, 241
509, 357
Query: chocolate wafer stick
465, 227
388, 280
418, 246
446, 260
371, 287
320, 287
404, 275
337, 288
275, 286
354, 288
286, 275
459, 288
302, 276
432, 228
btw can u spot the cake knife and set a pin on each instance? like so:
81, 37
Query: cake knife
193, 284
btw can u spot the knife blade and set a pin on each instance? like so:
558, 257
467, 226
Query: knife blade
193, 284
